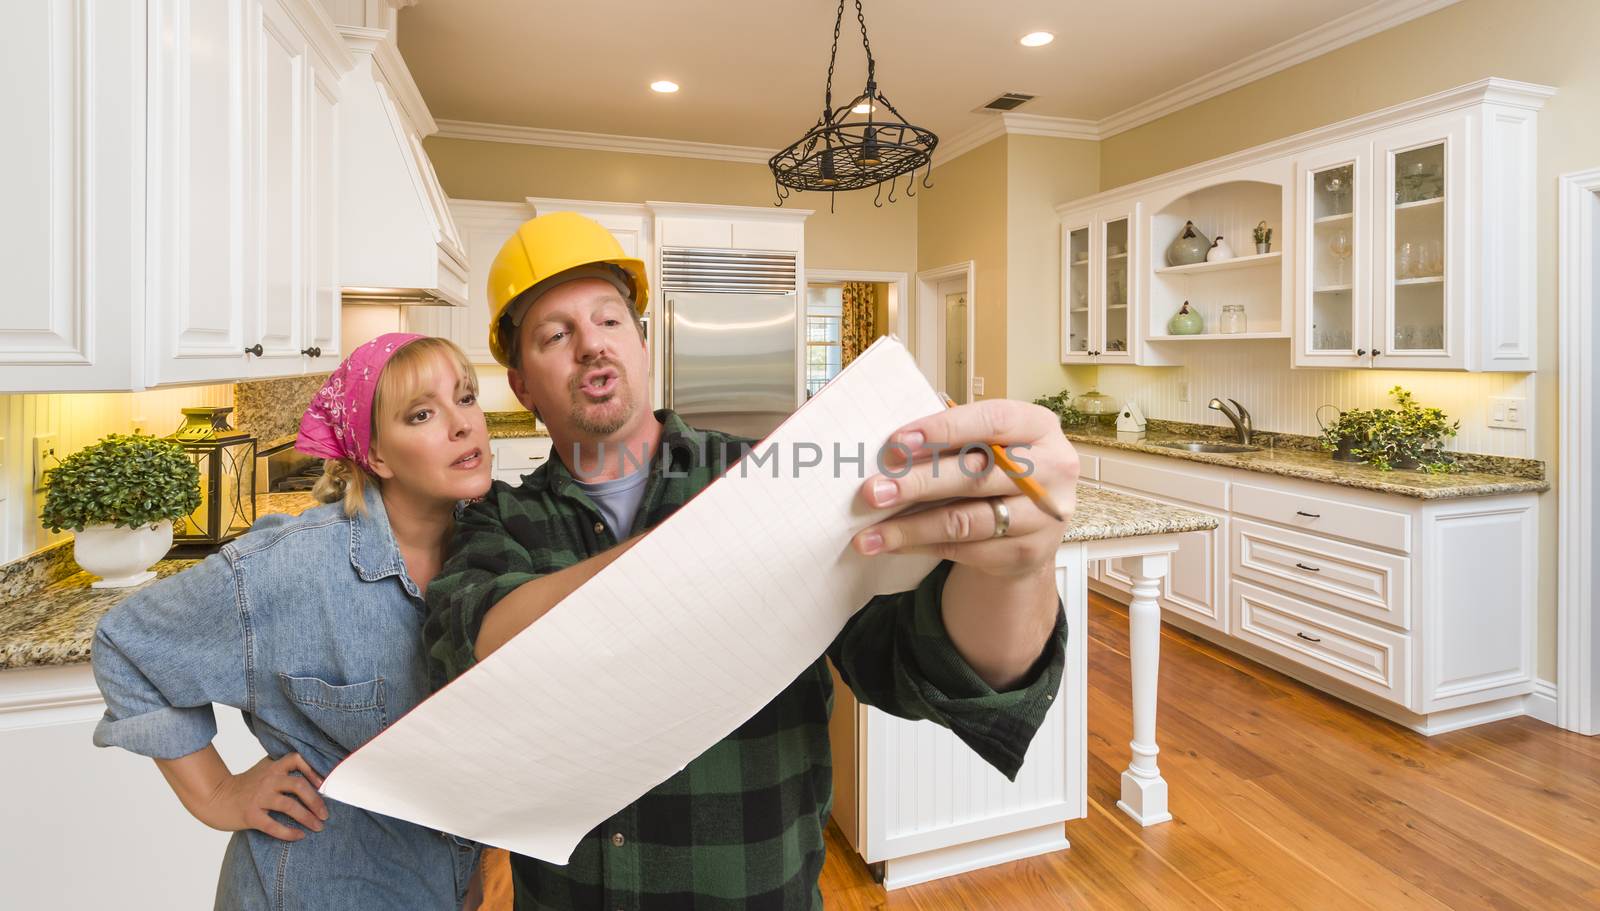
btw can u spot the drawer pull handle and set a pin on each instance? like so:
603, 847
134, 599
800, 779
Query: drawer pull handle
1309, 515
1308, 638
1309, 569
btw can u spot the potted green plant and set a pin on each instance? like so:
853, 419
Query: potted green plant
1263, 236
119, 496
1408, 436
1061, 404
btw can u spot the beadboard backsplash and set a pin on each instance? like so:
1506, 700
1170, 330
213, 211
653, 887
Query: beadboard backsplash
1257, 373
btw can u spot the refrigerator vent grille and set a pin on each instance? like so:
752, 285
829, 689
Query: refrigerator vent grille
727, 271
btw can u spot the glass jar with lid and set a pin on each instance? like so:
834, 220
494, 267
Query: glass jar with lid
1233, 319
1095, 404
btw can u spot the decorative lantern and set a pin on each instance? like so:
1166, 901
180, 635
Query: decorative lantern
226, 459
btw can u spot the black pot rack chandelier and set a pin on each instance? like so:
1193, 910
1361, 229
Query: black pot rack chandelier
852, 153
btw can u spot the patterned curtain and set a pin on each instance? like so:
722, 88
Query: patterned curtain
857, 327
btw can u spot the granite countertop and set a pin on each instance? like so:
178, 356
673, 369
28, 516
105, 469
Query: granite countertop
55, 624
1103, 514
1320, 466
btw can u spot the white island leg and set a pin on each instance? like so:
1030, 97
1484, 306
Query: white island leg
1144, 791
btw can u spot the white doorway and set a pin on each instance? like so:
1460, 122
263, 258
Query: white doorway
945, 328
1577, 493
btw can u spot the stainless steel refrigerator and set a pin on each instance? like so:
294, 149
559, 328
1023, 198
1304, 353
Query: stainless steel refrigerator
732, 360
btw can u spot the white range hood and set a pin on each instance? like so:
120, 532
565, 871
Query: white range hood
397, 241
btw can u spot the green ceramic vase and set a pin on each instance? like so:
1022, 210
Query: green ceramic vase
1186, 322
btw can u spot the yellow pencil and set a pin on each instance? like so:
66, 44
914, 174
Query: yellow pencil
1033, 489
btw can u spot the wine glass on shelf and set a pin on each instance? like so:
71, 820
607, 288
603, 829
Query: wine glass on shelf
1339, 246
1337, 187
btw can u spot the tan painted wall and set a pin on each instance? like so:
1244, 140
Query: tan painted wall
855, 236
963, 217
1545, 41
1041, 173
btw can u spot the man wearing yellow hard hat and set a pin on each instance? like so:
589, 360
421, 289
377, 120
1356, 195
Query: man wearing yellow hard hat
977, 647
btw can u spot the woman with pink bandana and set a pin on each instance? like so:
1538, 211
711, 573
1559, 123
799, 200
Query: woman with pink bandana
311, 627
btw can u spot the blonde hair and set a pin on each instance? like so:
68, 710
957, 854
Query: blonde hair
405, 376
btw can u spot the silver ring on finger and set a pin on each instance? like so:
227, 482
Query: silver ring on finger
1002, 516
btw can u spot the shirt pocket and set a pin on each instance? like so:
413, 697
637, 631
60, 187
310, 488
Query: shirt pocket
349, 714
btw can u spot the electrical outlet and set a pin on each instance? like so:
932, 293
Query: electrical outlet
1183, 390
977, 385
1508, 412
44, 457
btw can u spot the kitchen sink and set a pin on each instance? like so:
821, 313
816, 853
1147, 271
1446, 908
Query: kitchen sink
1187, 446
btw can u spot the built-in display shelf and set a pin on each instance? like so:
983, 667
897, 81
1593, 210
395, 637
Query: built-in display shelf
1332, 219
1238, 262
1217, 336
1421, 203
1425, 280
1332, 289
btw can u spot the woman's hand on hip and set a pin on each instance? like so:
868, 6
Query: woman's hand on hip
287, 786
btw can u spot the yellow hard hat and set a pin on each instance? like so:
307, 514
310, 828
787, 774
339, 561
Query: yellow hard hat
541, 249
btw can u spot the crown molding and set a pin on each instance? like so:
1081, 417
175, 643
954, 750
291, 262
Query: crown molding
601, 142
1055, 127
962, 143
1330, 36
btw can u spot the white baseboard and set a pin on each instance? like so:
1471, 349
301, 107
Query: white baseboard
1541, 703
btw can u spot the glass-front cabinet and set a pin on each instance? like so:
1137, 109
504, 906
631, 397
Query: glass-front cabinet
1074, 291
1334, 283
1420, 239
1099, 253
1380, 280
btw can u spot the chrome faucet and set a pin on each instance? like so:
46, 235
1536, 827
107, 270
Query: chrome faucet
1240, 418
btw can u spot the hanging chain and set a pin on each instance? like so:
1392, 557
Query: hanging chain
862, 18
833, 55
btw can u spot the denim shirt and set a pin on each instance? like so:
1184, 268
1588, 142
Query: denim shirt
311, 627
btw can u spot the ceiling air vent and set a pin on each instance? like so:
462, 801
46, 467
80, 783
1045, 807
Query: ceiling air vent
1010, 101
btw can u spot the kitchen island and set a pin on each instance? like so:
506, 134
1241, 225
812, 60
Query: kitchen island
917, 804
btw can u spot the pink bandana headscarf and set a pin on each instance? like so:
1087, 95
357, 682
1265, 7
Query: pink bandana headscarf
338, 422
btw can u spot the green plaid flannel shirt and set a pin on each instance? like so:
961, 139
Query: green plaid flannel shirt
742, 825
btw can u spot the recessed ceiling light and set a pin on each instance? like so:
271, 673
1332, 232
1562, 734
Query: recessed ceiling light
863, 108
1037, 39
664, 86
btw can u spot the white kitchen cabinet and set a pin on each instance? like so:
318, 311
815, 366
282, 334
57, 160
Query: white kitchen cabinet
93, 827
1407, 241
514, 457
1101, 255
1419, 610
728, 227
190, 199
1416, 240
1193, 585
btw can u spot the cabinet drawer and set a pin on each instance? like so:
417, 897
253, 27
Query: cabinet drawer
1362, 524
1357, 580
1357, 653
520, 455
1173, 485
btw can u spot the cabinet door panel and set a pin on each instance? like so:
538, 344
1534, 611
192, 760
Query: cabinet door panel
1420, 291
281, 171
322, 237
1334, 261
199, 257
1076, 267
1114, 332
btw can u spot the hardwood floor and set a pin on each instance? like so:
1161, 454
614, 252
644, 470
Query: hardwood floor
1286, 798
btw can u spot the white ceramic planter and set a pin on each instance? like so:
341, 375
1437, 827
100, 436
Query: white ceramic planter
122, 557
